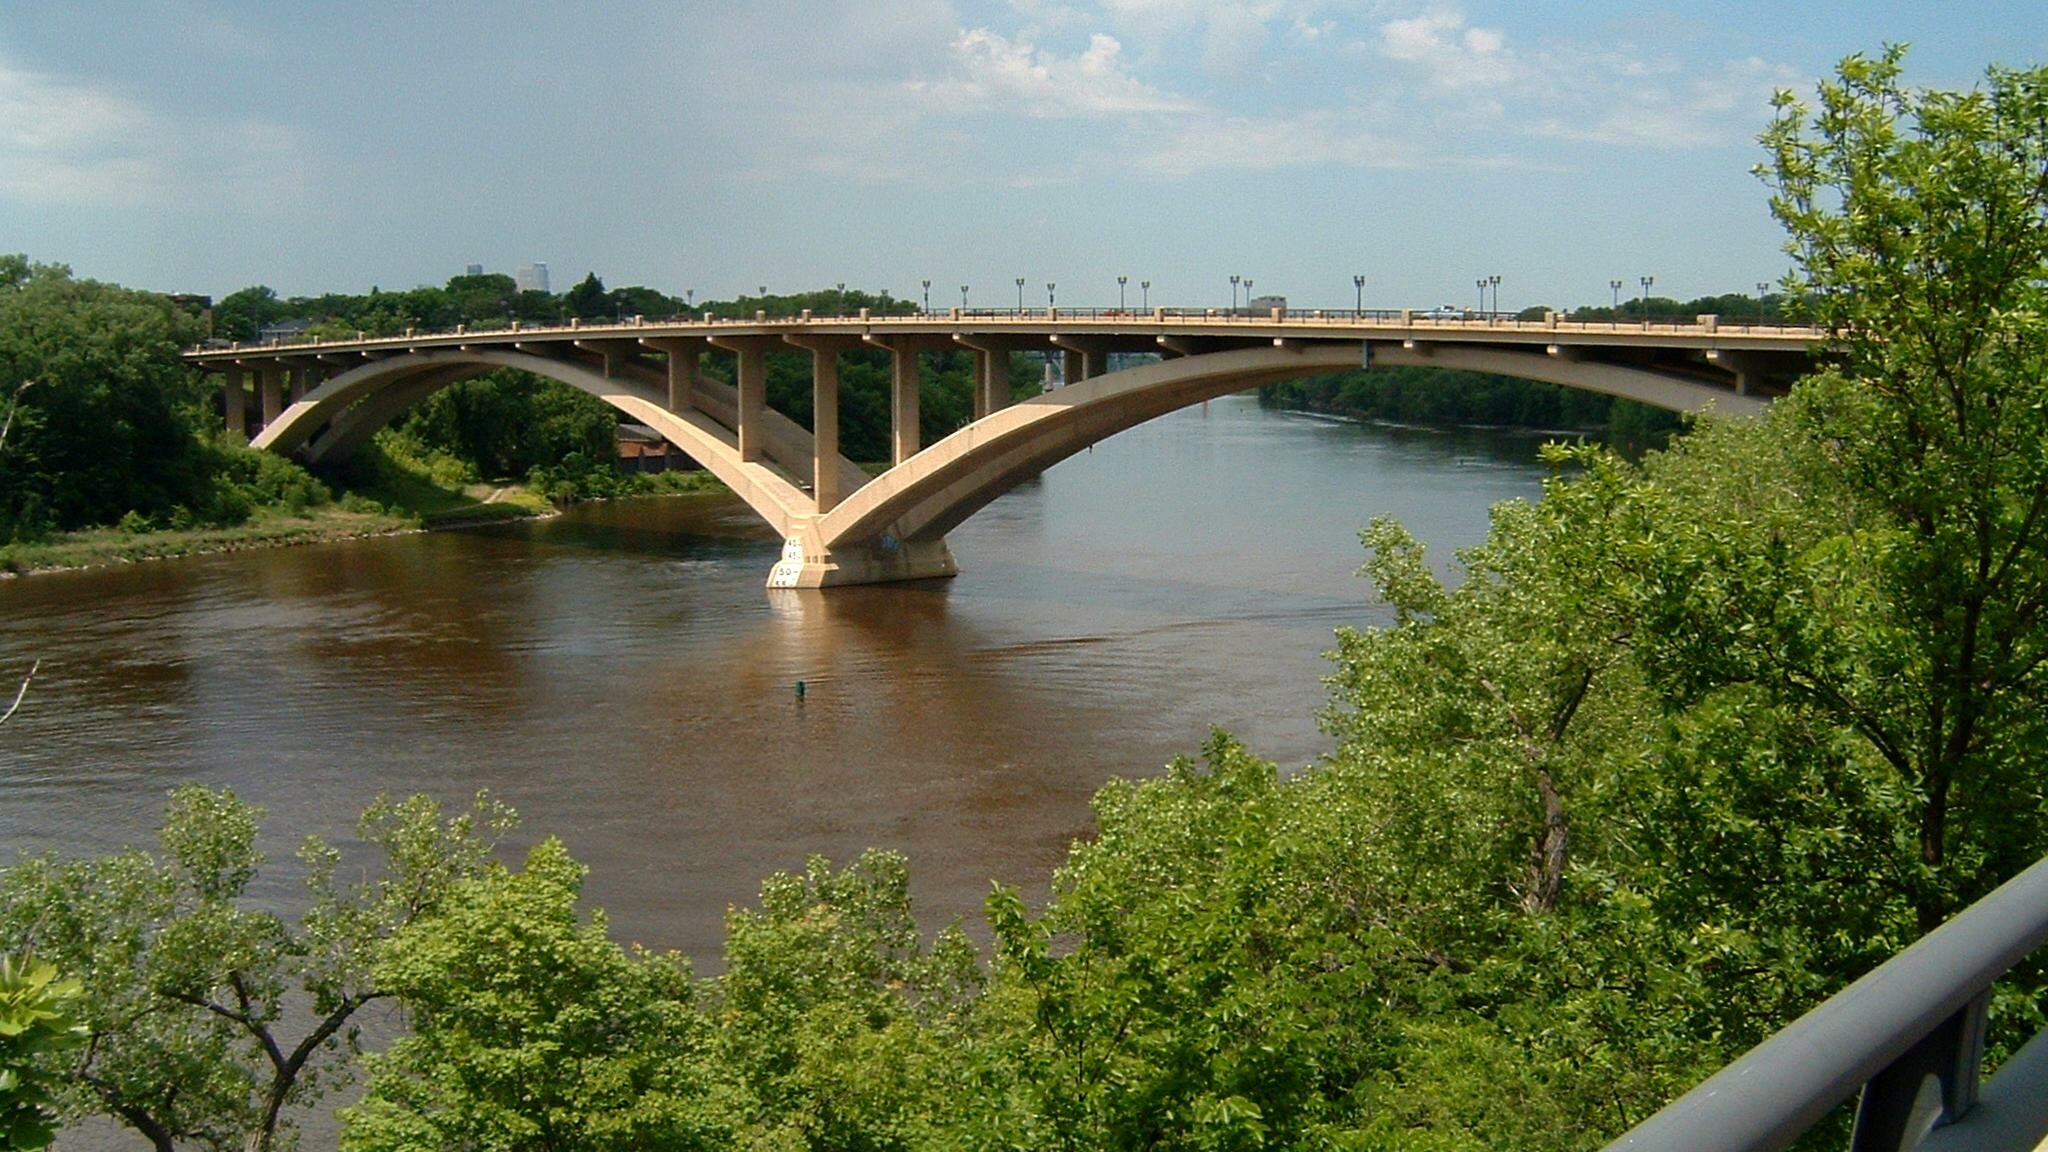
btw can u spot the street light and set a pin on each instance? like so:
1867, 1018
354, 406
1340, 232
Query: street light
1049, 300
963, 297
761, 291
1762, 286
927, 296
1647, 281
1145, 288
689, 297
1358, 282
840, 301
1614, 313
1020, 295
1482, 295
1247, 295
1120, 282
1233, 293
1495, 281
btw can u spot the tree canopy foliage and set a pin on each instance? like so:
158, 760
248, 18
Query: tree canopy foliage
191, 991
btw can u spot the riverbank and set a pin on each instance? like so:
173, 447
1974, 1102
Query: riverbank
398, 503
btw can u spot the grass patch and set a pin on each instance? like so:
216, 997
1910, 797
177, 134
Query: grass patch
94, 547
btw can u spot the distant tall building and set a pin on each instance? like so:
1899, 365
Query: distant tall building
476, 270
532, 277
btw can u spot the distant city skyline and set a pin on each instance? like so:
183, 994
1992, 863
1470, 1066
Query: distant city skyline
209, 145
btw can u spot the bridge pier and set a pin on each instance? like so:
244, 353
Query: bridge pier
805, 564
750, 382
904, 379
272, 390
234, 401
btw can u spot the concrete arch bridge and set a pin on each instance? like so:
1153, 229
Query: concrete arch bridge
320, 401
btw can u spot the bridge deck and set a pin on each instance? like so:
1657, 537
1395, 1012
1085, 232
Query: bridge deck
1130, 331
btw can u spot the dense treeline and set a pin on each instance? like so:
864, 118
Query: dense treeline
494, 300
1449, 396
104, 423
1697, 740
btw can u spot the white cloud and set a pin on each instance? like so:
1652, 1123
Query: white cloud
63, 142
1640, 104
1235, 36
993, 72
1573, 92
1447, 52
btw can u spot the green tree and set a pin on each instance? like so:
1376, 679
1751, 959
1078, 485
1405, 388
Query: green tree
188, 991
37, 1014
241, 314
589, 300
100, 407
533, 1031
1919, 223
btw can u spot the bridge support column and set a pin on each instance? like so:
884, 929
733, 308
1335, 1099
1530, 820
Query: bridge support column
1071, 368
992, 387
998, 381
234, 402
903, 384
682, 374
992, 369
271, 387
825, 428
753, 401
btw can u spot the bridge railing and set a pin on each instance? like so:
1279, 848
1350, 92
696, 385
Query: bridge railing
1419, 319
1909, 1035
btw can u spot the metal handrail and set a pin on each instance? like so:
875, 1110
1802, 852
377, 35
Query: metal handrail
1910, 1035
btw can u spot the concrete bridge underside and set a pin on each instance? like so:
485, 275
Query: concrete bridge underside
891, 527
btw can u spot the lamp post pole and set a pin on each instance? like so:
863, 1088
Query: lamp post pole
1647, 281
1482, 296
1145, 291
1120, 282
1614, 313
1020, 295
1358, 307
1233, 295
1495, 281
927, 297
963, 297
1050, 301
1762, 286
839, 300
1247, 295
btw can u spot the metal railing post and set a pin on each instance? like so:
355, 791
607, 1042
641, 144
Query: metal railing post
1934, 1082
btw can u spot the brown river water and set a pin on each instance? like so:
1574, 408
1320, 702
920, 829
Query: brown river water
620, 675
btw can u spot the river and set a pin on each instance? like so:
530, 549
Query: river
620, 676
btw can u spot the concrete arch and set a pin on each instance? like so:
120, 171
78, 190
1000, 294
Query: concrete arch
356, 403
927, 495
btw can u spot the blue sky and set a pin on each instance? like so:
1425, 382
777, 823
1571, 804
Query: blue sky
204, 145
